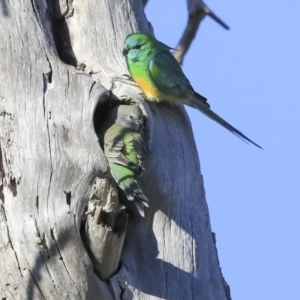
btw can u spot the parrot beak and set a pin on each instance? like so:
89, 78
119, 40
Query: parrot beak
125, 50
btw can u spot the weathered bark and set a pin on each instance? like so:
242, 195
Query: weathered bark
50, 158
105, 228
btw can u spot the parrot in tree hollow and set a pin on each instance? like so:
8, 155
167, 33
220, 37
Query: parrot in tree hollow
159, 75
122, 137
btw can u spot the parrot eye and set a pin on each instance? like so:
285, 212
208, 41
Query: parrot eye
137, 47
131, 117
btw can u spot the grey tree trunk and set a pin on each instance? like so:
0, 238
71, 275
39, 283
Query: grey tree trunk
61, 68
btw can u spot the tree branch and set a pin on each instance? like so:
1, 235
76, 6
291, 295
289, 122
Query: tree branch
197, 11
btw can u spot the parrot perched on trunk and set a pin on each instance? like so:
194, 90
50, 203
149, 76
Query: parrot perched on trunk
159, 75
122, 138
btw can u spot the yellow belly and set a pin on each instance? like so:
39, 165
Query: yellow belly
150, 90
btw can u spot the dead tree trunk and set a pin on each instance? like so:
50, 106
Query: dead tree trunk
61, 67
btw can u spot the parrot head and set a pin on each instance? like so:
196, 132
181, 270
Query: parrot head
129, 116
142, 46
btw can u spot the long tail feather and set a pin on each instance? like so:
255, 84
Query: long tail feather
134, 193
209, 113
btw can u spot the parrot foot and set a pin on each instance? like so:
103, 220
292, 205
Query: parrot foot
128, 100
128, 77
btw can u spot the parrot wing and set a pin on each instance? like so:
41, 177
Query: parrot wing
125, 152
167, 74
140, 148
114, 146
125, 147
135, 150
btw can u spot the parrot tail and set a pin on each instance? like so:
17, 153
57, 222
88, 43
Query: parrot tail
134, 193
209, 113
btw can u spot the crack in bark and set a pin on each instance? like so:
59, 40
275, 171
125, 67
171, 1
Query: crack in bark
68, 197
45, 263
2, 173
44, 94
47, 77
35, 281
50, 153
47, 268
91, 88
33, 7
44, 245
13, 186
61, 258
2, 176
9, 239
1, 193
37, 202
49, 74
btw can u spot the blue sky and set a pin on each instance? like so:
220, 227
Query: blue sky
251, 77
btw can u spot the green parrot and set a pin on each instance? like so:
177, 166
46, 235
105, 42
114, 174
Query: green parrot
161, 78
122, 138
